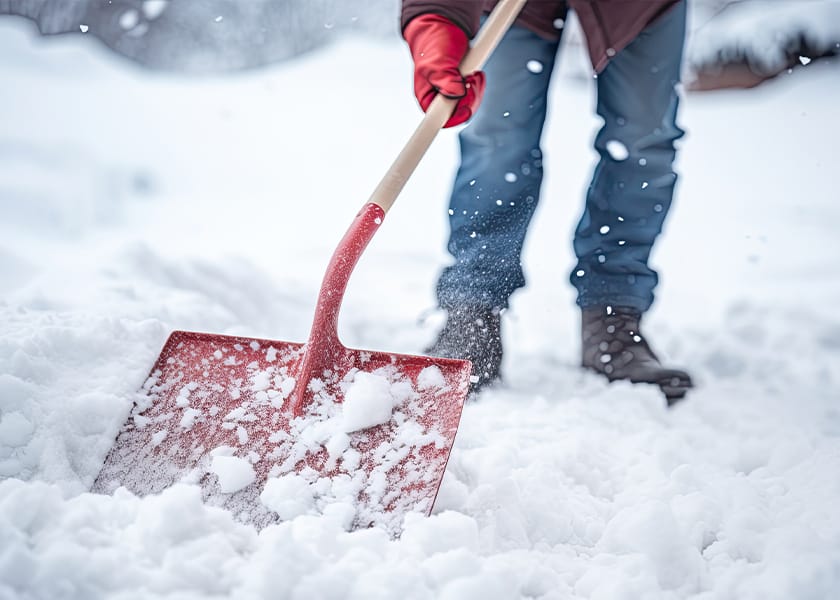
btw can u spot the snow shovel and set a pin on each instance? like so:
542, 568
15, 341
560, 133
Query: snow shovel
271, 430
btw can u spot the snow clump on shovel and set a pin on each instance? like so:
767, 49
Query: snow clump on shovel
369, 401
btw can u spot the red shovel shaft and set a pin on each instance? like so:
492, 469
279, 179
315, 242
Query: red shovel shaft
324, 350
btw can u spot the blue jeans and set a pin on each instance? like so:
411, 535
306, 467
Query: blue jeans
497, 187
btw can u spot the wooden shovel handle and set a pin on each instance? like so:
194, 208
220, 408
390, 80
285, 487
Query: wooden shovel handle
441, 107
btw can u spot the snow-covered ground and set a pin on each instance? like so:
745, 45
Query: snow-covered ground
134, 204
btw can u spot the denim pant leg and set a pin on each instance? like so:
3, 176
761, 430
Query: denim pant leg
633, 184
498, 182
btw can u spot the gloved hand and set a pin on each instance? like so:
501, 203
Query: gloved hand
437, 46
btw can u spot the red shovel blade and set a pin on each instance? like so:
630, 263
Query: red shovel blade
374, 432
273, 429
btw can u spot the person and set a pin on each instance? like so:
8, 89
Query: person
636, 52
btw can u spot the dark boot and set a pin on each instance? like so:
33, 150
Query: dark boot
473, 334
613, 346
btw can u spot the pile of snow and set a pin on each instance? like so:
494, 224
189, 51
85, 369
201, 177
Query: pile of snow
370, 400
233, 473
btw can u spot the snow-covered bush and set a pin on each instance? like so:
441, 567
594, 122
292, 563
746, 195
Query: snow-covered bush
744, 43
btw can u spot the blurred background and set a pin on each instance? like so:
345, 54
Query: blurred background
115, 111
732, 43
114, 104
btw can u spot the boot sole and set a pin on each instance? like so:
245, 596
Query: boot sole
674, 388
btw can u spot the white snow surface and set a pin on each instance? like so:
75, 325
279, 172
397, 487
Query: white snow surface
134, 204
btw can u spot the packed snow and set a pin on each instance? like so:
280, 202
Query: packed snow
233, 473
368, 401
135, 204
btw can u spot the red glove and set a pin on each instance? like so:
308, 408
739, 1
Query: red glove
437, 46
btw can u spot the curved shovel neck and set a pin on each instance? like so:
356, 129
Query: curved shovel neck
323, 350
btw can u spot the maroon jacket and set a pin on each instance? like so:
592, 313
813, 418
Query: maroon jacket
609, 25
